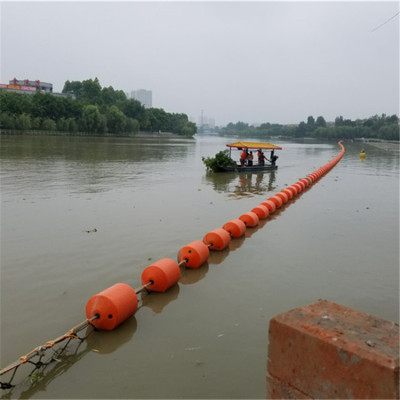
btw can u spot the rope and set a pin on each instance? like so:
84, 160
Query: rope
141, 288
40, 351
384, 23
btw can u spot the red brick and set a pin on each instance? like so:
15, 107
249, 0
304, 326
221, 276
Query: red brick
277, 389
325, 350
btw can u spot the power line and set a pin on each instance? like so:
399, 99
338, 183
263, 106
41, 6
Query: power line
395, 15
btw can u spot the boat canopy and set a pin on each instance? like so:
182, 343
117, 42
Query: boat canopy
254, 145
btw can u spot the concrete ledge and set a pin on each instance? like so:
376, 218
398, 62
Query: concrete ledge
325, 350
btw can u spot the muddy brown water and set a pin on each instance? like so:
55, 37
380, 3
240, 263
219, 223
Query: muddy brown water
79, 214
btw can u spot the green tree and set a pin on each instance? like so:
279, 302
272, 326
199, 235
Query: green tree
158, 119
48, 125
189, 129
132, 125
389, 132
74, 88
393, 119
110, 96
132, 108
91, 91
72, 125
7, 121
116, 120
320, 122
339, 121
45, 105
301, 129
36, 123
15, 103
23, 122
91, 118
62, 125
310, 123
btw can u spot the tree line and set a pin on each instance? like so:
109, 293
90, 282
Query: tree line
380, 127
89, 108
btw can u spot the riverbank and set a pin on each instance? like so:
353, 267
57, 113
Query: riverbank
51, 133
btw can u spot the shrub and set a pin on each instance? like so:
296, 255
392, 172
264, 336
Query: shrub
220, 160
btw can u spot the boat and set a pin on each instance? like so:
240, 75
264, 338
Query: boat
268, 165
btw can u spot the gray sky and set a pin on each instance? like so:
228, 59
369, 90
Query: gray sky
255, 62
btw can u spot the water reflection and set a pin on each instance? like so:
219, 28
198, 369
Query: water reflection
190, 276
217, 257
105, 342
157, 301
92, 149
251, 231
242, 184
236, 243
85, 164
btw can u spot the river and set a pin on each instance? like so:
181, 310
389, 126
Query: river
79, 214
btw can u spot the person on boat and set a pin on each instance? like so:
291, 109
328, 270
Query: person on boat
250, 159
259, 152
261, 158
243, 158
273, 157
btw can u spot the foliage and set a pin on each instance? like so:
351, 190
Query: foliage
48, 125
91, 119
381, 127
23, 122
116, 120
90, 108
220, 160
132, 125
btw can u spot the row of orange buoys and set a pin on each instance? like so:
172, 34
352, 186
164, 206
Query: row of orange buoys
114, 305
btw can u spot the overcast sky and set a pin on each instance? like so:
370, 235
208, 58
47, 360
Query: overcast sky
265, 61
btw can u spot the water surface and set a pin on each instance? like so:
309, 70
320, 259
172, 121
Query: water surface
81, 214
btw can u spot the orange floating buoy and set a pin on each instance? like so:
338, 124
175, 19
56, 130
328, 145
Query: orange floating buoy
283, 196
292, 189
113, 306
302, 184
270, 205
261, 210
194, 254
250, 219
289, 193
311, 177
235, 228
163, 273
217, 239
300, 187
277, 200
308, 179
305, 181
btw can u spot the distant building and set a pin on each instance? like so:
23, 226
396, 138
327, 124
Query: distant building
205, 124
144, 96
26, 86
38, 85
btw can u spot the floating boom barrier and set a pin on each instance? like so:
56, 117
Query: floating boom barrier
112, 306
